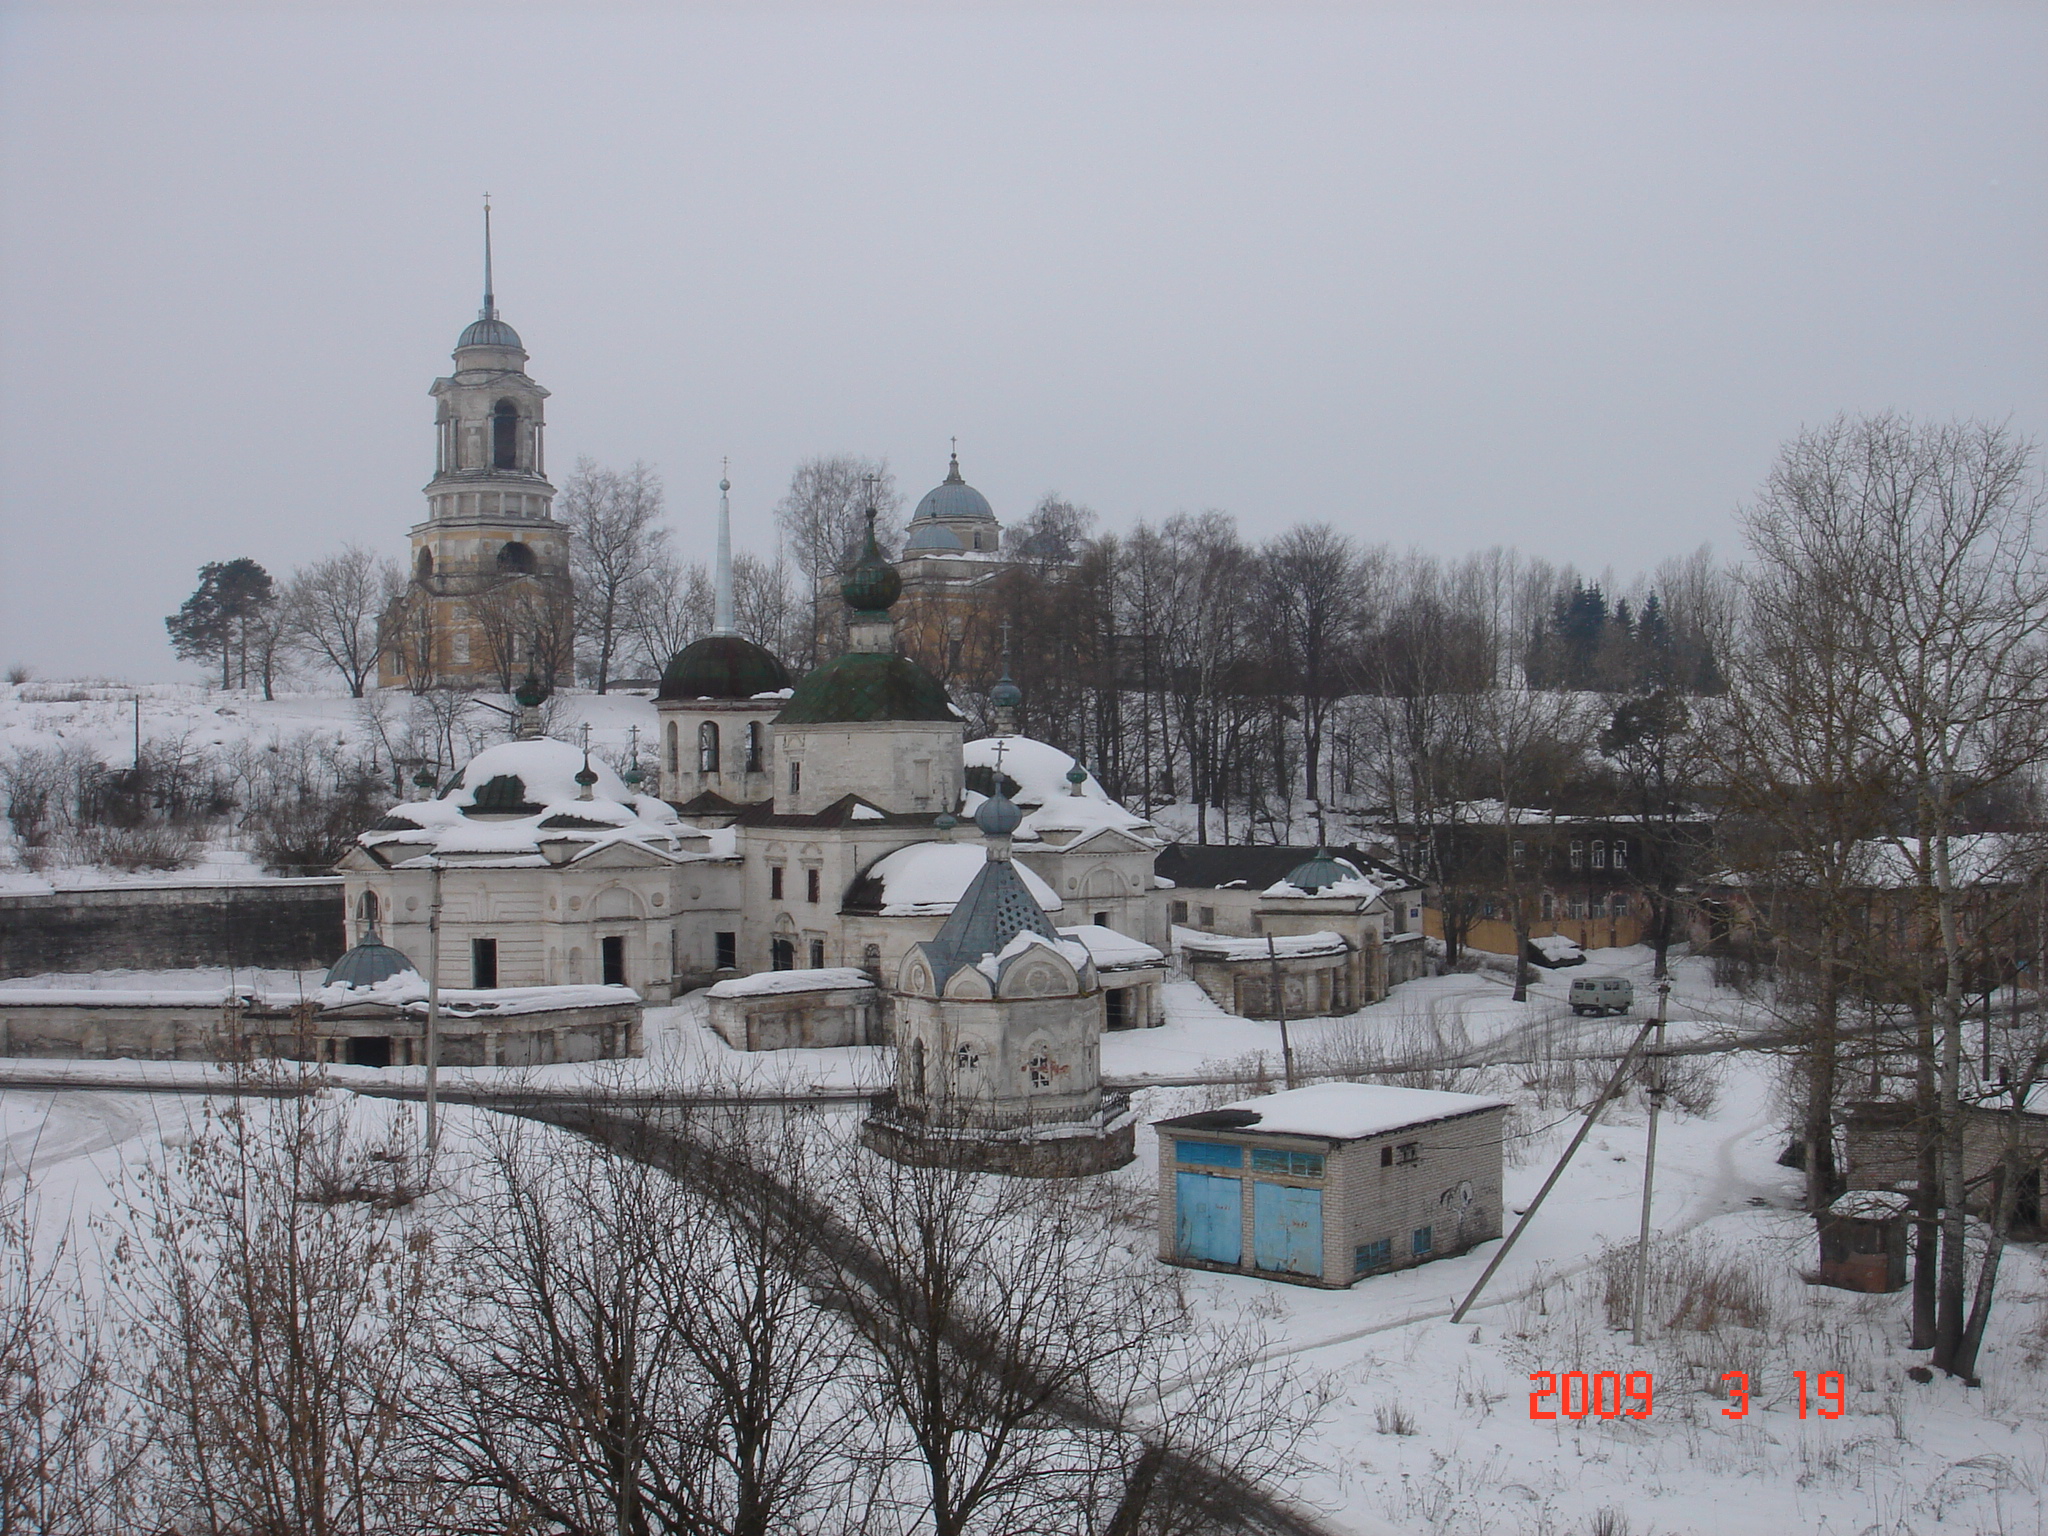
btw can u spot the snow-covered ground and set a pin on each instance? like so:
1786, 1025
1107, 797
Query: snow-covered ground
1430, 1428
98, 721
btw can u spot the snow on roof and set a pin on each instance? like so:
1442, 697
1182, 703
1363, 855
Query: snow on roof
865, 812
928, 879
1291, 946
1555, 946
1344, 1111
769, 983
1111, 950
406, 991
991, 966
1081, 815
547, 789
1355, 888
1871, 1204
1039, 769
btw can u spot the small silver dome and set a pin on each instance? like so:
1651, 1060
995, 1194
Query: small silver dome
932, 536
997, 816
489, 332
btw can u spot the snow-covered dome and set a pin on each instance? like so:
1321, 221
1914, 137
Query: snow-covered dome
1037, 768
533, 774
522, 803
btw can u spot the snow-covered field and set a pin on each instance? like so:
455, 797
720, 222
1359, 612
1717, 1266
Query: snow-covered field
1430, 1428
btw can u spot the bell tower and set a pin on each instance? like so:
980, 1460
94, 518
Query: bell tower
489, 599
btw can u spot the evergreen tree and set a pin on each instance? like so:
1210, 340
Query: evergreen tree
218, 618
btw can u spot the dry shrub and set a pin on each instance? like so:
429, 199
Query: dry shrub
1393, 1419
161, 847
1691, 1288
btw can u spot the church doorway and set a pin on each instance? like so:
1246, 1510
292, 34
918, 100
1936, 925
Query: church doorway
614, 949
370, 1051
782, 955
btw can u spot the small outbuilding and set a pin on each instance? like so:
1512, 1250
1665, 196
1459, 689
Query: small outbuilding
782, 1010
1326, 1184
1863, 1241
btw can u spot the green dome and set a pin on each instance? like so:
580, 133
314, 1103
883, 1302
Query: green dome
722, 667
1313, 874
865, 686
872, 586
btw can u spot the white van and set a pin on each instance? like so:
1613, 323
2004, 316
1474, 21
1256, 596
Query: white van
1603, 994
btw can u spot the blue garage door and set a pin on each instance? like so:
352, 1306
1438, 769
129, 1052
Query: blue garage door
1287, 1228
1208, 1217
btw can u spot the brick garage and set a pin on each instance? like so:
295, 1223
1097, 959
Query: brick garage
1327, 1184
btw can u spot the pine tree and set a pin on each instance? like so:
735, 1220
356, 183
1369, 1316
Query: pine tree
217, 618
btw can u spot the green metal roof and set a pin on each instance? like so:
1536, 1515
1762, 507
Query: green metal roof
864, 686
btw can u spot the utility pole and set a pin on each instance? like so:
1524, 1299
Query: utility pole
433, 1008
1557, 1172
138, 736
1280, 1007
1656, 1060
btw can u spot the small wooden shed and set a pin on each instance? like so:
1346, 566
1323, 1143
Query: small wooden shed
1326, 1184
1863, 1240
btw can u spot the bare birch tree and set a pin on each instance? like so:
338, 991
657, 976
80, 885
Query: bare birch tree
615, 541
823, 517
331, 610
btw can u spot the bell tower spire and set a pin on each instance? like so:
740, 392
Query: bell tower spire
722, 619
490, 309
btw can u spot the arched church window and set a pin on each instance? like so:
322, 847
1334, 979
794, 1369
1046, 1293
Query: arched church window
675, 762
505, 435
517, 558
754, 764
966, 1058
366, 909
917, 1067
424, 566
1040, 1068
871, 962
707, 747
782, 955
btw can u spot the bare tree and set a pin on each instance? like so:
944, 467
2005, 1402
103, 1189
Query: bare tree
272, 1280
331, 610
631, 1345
1898, 674
1313, 577
823, 517
528, 623
616, 541
669, 606
68, 1451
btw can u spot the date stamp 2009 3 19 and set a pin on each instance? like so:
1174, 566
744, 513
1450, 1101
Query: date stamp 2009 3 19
1611, 1395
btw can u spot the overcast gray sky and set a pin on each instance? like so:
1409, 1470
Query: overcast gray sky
1553, 276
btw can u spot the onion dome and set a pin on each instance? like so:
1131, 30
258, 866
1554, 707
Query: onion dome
932, 538
998, 815
722, 667
872, 586
531, 692
1006, 694
1314, 873
489, 331
954, 497
947, 821
368, 963
1077, 774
